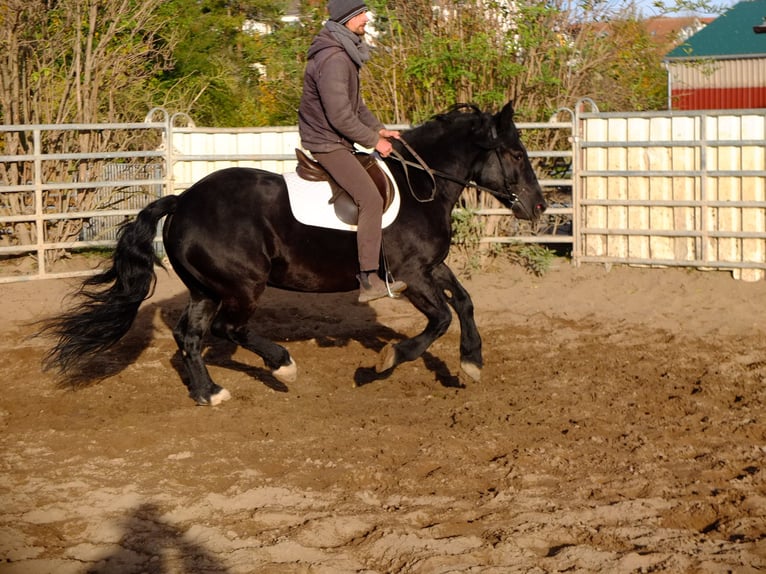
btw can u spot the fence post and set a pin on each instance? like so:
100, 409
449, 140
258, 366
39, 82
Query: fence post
166, 145
39, 222
170, 155
578, 127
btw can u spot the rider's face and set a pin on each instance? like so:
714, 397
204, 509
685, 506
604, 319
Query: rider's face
357, 23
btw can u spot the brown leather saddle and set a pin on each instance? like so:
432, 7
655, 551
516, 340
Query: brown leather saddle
345, 208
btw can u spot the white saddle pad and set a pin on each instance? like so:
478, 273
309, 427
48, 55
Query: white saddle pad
309, 202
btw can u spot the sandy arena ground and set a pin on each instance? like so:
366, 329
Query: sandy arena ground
619, 427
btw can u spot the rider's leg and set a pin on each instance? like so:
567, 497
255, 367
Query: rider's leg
351, 176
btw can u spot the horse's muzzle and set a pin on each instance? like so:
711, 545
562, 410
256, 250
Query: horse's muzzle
530, 211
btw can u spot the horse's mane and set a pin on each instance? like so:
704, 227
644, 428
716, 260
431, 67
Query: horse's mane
456, 110
452, 114
467, 114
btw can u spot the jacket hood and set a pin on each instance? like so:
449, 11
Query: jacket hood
322, 41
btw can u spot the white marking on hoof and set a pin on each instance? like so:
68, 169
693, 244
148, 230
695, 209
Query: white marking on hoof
472, 370
386, 359
219, 397
286, 373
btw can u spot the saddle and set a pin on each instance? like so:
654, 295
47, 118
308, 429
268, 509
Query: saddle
345, 208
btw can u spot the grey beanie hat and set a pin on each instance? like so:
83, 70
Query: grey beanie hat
341, 11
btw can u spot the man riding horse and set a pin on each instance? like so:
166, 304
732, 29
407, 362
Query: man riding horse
332, 118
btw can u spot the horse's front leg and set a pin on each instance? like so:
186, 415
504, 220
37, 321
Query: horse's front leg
471, 360
428, 297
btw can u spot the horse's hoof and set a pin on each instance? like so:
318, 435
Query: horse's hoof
286, 373
472, 370
386, 359
219, 397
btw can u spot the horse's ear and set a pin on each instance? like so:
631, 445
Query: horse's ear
505, 121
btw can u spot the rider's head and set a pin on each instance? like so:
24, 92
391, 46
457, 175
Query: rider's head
341, 11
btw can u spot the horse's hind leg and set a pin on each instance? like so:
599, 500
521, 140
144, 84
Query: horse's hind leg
274, 356
189, 333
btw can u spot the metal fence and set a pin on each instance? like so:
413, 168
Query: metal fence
199, 151
59, 197
657, 189
673, 189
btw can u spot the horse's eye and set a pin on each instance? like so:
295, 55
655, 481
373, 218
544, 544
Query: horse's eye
517, 155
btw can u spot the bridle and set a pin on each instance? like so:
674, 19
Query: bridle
420, 164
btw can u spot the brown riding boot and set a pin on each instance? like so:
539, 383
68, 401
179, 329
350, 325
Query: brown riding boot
372, 287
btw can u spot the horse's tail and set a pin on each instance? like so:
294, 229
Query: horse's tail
110, 300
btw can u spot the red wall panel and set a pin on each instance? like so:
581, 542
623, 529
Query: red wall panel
719, 98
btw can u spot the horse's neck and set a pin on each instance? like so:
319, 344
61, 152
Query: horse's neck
446, 150
448, 174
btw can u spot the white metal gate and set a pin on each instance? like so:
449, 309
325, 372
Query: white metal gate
672, 189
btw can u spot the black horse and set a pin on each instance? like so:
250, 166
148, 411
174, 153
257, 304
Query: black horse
232, 233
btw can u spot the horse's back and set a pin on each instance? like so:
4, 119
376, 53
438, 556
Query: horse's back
229, 198
222, 218
235, 227
242, 185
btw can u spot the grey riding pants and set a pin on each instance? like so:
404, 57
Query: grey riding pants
351, 176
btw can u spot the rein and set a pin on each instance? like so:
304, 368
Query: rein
420, 164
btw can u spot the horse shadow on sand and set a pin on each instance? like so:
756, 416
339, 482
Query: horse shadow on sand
149, 545
330, 320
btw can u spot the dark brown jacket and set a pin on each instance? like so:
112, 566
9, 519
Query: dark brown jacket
332, 114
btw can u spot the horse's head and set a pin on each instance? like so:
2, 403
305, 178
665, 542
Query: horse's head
504, 167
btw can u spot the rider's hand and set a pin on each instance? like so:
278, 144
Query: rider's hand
389, 133
383, 147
